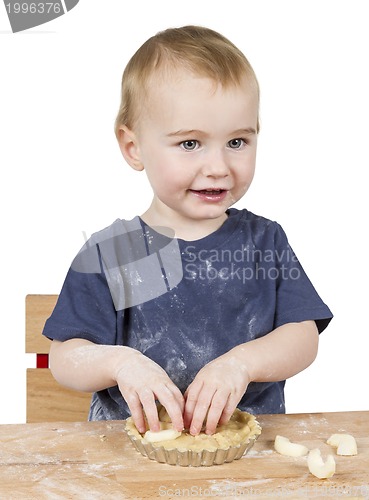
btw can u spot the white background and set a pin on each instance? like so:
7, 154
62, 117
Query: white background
62, 173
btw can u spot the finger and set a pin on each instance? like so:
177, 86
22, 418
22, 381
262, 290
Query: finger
228, 410
216, 410
135, 407
147, 399
178, 397
201, 410
191, 396
173, 403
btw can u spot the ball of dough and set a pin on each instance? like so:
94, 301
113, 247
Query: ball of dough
284, 446
164, 435
318, 467
345, 444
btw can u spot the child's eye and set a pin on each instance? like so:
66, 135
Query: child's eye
189, 145
236, 143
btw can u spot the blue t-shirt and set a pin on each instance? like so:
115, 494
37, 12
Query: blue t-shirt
184, 303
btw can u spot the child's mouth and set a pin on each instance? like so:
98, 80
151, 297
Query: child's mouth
210, 194
211, 191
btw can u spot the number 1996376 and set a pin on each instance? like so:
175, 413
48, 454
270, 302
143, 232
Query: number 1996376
34, 8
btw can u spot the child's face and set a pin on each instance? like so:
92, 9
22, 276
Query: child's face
197, 143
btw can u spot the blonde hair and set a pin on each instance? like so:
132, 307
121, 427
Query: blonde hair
202, 51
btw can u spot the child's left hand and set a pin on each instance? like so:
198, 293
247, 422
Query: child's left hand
215, 392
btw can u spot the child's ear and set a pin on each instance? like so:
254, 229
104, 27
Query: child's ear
129, 147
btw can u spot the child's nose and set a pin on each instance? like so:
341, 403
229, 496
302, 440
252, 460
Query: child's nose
215, 165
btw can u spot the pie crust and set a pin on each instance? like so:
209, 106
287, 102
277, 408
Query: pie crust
229, 442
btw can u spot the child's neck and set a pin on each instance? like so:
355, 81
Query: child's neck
185, 229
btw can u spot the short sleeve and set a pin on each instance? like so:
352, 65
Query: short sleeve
297, 300
84, 310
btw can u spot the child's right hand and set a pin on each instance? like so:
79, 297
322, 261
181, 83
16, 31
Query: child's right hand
141, 381
85, 366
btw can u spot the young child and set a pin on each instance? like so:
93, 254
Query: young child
194, 304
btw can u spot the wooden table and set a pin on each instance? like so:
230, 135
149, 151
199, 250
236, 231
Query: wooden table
88, 460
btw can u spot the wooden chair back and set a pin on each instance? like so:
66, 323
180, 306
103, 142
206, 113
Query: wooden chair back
47, 400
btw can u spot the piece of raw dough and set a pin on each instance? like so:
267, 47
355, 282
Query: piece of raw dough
345, 444
164, 435
284, 446
163, 415
318, 467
